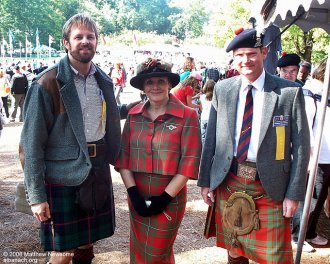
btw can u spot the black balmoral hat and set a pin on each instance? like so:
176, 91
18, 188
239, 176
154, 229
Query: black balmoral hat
291, 59
245, 38
153, 68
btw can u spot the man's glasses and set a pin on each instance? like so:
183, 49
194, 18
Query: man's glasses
291, 73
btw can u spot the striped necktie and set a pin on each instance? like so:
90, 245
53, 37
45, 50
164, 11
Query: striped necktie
245, 135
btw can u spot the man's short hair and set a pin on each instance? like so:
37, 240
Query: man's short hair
80, 19
307, 65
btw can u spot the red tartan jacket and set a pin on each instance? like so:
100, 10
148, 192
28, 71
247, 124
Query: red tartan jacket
169, 145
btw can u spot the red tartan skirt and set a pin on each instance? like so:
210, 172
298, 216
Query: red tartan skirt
272, 242
152, 238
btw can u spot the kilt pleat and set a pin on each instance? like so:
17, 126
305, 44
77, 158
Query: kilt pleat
272, 242
72, 227
152, 238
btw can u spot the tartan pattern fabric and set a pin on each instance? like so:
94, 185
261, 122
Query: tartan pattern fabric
245, 135
72, 226
152, 238
272, 242
169, 145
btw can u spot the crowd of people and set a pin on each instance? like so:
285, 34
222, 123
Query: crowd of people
245, 135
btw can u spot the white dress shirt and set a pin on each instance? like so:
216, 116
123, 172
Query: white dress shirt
316, 87
258, 100
91, 98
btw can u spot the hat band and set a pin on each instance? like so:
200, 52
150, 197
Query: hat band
151, 70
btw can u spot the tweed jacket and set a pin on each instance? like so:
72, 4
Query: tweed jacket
285, 177
53, 145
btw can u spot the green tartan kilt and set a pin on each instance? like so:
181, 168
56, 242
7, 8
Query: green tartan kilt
70, 226
152, 238
271, 243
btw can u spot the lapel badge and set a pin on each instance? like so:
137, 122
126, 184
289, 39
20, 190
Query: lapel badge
171, 127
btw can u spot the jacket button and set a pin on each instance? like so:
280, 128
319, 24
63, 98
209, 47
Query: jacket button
87, 164
224, 170
228, 158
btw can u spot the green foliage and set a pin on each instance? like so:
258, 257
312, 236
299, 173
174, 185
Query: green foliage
24, 17
144, 15
193, 21
232, 15
311, 46
190, 21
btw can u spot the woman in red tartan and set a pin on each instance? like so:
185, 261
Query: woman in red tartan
161, 150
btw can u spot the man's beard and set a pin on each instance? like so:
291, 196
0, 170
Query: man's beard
83, 58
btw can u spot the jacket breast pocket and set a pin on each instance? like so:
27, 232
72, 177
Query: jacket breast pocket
62, 153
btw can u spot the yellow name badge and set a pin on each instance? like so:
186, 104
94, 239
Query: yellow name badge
280, 142
280, 122
104, 115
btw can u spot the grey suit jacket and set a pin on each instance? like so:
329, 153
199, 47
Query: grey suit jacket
280, 178
53, 144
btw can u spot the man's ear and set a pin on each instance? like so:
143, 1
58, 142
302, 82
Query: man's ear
66, 44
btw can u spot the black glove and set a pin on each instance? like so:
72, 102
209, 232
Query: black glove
159, 203
138, 201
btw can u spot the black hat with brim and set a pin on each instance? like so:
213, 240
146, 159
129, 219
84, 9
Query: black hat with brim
291, 59
138, 80
153, 68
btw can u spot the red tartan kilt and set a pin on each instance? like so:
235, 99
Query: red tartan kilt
152, 238
272, 242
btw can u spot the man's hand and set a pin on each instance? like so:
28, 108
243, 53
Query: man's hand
41, 211
289, 207
208, 196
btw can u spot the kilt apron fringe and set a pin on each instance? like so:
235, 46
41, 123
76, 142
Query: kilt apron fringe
70, 226
152, 238
271, 243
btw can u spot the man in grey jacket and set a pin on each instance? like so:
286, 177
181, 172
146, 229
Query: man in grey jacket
254, 161
70, 135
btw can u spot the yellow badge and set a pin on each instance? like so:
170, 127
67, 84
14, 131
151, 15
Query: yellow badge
280, 142
104, 115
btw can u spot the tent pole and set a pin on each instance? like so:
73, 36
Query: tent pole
314, 163
286, 28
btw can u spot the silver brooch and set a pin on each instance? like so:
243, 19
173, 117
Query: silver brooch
171, 127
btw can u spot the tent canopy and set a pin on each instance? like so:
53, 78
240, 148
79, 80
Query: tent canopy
311, 13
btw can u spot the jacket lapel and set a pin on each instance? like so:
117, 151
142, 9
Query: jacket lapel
231, 105
72, 105
71, 102
270, 99
108, 93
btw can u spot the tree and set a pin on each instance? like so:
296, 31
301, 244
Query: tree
311, 46
232, 15
144, 15
190, 21
26, 16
